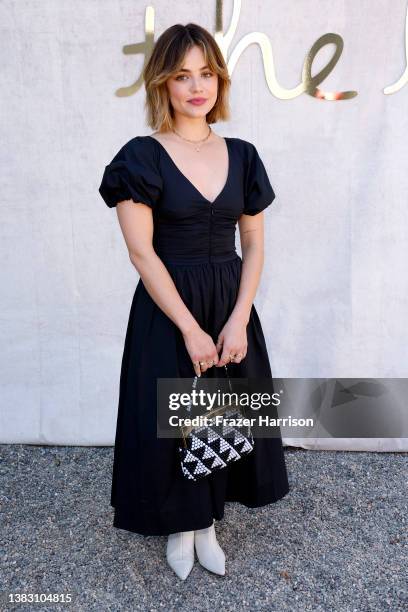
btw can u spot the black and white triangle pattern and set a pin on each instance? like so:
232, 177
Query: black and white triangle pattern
211, 448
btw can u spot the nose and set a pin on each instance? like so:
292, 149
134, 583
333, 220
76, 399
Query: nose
196, 85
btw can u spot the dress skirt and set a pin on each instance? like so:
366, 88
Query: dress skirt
149, 493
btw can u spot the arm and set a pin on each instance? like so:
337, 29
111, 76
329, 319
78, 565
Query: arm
251, 229
136, 223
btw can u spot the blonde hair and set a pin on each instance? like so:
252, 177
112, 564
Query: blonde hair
167, 58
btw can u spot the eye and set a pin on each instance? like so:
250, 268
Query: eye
182, 76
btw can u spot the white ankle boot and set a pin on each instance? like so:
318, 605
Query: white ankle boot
209, 552
180, 552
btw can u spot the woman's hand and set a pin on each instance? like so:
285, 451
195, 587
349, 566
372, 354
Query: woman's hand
232, 340
201, 348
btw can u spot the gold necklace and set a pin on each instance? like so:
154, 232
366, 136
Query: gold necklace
195, 141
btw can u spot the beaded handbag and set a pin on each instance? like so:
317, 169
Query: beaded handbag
211, 446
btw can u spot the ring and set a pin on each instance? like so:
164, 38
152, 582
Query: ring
202, 362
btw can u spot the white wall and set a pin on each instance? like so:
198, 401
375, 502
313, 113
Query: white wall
333, 296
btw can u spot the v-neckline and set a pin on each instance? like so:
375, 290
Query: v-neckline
210, 202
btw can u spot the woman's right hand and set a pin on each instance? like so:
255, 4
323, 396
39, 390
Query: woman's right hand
201, 348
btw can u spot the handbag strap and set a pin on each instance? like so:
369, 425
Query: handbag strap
197, 377
226, 371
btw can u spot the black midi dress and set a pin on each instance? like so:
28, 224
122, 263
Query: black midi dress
195, 239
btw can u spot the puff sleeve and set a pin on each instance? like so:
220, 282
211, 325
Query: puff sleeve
258, 191
132, 175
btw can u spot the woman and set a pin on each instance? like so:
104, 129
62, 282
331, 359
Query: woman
192, 310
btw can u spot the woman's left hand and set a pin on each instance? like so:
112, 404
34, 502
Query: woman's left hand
232, 340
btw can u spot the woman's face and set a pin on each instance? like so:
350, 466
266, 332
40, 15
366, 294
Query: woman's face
194, 80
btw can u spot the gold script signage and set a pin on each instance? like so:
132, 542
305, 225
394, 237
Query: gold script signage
308, 84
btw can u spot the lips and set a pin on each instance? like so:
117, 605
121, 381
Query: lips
197, 100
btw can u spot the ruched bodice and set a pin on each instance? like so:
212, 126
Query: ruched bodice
206, 235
